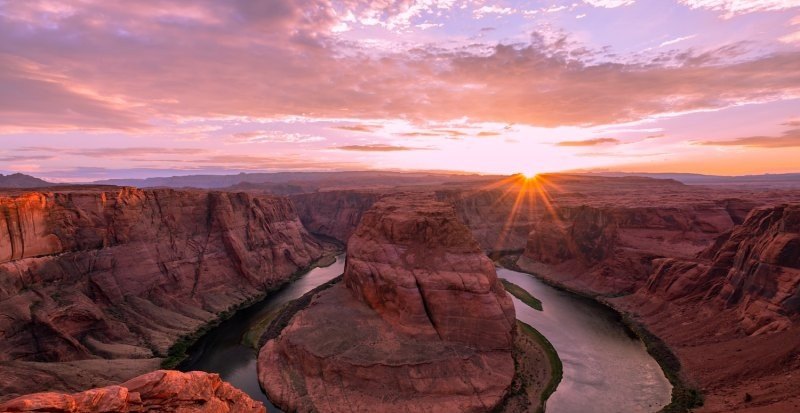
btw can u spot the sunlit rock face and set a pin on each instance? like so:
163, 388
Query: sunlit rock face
492, 218
731, 312
123, 273
159, 391
754, 270
419, 323
610, 250
763, 261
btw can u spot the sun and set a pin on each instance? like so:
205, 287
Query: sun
529, 174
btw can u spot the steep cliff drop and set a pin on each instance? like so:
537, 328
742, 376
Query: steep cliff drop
732, 314
97, 284
720, 288
609, 250
158, 391
419, 323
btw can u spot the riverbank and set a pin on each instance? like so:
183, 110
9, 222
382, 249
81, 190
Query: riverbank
684, 396
538, 369
179, 350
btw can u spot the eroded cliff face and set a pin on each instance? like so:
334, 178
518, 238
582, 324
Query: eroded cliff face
159, 391
487, 213
610, 250
121, 274
416, 265
754, 270
499, 221
419, 323
718, 281
334, 214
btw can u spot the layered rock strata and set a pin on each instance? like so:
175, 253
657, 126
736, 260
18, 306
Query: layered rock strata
729, 311
120, 274
159, 391
610, 250
419, 323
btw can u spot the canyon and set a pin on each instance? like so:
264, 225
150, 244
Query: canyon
418, 303
99, 283
707, 270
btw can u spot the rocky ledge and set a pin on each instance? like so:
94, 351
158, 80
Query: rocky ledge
419, 323
159, 391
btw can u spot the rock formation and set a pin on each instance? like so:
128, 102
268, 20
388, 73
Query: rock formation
334, 214
754, 271
609, 250
419, 323
721, 290
122, 273
501, 214
159, 391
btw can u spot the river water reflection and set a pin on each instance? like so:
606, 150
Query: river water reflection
605, 369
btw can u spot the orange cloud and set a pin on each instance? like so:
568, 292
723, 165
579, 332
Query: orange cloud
359, 128
589, 142
378, 148
789, 138
278, 59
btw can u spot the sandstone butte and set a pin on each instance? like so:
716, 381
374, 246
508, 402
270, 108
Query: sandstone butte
158, 391
96, 284
420, 322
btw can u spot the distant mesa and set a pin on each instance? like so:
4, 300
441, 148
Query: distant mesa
19, 180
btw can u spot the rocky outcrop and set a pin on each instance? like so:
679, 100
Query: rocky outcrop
498, 219
487, 213
159, 391
731, 312
334, 214
754, 271
762, 259
719, 289
420, 322
611, 250
123, 273
501, 213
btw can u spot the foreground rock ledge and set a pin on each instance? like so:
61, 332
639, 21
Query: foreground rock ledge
420, 324
159, 391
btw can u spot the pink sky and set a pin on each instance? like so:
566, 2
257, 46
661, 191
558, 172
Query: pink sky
93, 89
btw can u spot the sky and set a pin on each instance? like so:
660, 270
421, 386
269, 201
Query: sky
96, 89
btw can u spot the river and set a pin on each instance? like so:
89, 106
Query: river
221, 350
606, 369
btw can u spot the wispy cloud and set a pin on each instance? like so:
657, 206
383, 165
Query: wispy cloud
127, 152
589, 142
676, 40
378, 147
791, 38
733, 8
609, 4
789, 139
359, 128
487, 134
434, 132
273, 137
311, 72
